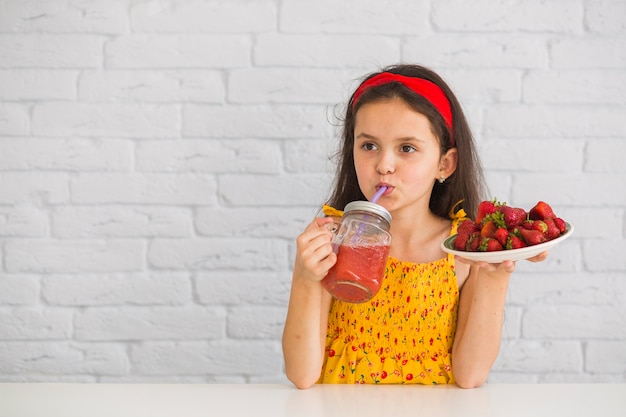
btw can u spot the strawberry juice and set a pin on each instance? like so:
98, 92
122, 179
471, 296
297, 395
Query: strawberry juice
358, 273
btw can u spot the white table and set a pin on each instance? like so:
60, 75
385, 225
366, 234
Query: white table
189, 400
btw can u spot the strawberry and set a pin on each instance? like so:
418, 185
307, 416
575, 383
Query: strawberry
464, 231
484, 209
552, 231
467, 226
541, 211
488, 229
501, 235
532, 237
514, 242
515, 231
538, 225
474, 242
460, 242
560, 223
513, 216
489, 244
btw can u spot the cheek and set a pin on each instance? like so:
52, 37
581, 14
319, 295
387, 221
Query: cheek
361, 165
361, 173
421, 174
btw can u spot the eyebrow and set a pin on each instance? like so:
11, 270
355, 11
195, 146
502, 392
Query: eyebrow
367, 136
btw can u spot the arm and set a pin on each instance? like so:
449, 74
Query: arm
479, 325
307, 316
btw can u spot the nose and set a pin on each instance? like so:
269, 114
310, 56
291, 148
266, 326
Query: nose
386, 164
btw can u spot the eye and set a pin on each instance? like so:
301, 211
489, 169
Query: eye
407, 149
368, 146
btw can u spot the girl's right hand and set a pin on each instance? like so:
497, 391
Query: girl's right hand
314, 252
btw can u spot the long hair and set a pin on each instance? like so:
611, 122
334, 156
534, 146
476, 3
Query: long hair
466, 184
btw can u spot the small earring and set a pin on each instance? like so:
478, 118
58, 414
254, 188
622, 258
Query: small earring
442, 180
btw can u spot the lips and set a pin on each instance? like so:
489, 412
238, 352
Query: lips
388, 190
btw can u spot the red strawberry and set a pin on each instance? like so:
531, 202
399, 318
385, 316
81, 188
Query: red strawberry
513, 216
515, 231
489, 244
532, 237
474, 242
560, 223
552, 231
464, 231
488, 229
460, 241
541, 211
538, 225
501, 235
514, 242
484, 209
467, 226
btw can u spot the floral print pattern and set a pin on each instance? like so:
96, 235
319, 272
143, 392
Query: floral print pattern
403, 335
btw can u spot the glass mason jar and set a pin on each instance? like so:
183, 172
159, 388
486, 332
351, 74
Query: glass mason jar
361, 243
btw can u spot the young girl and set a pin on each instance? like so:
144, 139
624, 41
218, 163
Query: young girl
435, 320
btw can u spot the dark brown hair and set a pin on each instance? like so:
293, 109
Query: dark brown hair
466, 183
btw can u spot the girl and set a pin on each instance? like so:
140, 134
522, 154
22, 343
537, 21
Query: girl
435, 320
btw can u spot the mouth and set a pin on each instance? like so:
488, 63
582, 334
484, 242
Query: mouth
389, 188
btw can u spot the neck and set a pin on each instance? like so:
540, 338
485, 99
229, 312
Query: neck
416, 236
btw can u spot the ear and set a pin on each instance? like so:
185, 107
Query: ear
448, 163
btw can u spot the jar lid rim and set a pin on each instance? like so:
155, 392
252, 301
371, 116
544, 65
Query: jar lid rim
368, 206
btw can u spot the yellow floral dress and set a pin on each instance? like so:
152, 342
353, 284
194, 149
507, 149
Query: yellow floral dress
403, 335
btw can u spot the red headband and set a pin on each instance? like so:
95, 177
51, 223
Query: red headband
429, 90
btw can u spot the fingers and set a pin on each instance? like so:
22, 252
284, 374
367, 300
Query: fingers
508, 266
539, 258
505, 266
315, 256
320, 221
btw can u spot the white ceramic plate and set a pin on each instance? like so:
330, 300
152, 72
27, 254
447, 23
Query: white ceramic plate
506, 255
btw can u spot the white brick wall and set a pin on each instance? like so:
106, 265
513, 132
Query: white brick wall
158, 159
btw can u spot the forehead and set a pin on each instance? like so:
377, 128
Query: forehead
391, 117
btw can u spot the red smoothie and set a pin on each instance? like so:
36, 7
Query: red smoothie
358, 273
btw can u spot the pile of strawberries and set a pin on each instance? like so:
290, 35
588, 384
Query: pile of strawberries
501, 227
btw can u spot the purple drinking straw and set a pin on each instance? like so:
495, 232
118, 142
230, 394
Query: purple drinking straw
374, 199
378, 194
